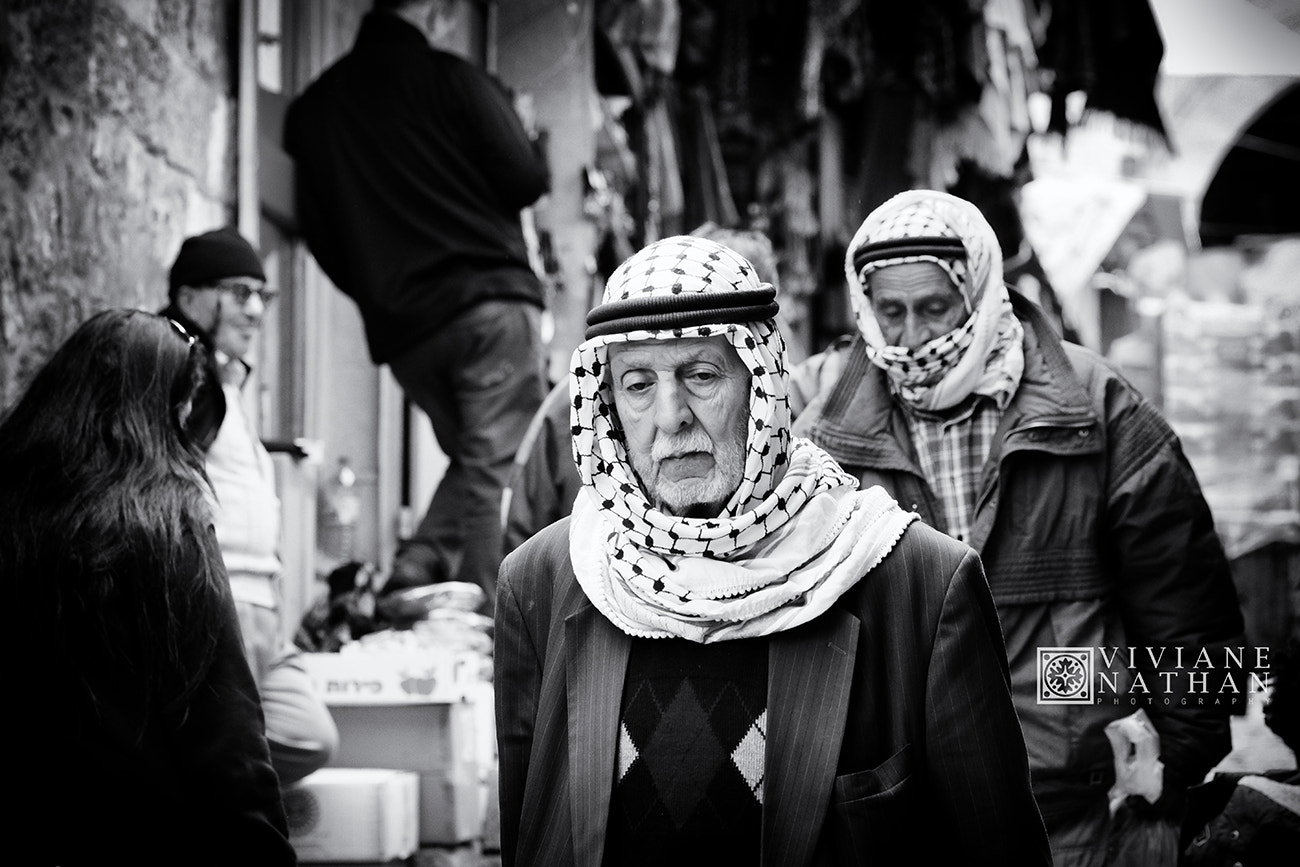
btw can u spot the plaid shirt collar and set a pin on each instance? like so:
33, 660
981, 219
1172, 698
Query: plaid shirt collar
952, 449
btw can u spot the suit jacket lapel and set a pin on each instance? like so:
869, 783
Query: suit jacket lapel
596, 665
810, 675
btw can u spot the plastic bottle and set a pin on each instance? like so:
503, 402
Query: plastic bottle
340, 509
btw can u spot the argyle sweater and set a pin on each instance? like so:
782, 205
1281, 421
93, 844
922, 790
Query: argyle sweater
692, 737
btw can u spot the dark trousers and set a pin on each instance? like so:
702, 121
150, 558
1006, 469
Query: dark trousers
480, 378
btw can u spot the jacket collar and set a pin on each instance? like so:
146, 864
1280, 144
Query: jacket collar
858, 423
1049, 384
174, 312
809, 676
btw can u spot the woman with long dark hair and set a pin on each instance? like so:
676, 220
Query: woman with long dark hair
137, 732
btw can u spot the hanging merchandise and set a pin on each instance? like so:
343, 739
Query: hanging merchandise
643, 39
828, 47
704, 173
338, 511
990, 132
665, 195
1011, 59
1109, 50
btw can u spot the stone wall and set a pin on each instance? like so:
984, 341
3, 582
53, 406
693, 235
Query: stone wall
116, 141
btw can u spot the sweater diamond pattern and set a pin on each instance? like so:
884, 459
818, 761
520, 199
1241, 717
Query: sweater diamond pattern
748, 755
692, 735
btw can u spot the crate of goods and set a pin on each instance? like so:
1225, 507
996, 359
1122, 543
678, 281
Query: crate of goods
413, 712
353, 815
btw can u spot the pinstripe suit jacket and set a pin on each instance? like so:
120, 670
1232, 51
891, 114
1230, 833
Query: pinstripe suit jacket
891, 734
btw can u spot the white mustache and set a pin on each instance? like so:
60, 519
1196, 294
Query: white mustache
681, 443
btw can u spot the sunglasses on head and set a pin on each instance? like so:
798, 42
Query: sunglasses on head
182, 331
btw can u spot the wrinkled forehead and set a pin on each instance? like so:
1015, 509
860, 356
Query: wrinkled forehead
670, 353
911, 279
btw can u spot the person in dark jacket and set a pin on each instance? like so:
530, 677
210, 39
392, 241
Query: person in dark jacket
728, 653
136, 730
411, 169
958, 398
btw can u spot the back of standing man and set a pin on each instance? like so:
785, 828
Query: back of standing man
412, 167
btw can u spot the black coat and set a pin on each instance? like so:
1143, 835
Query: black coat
101, 781
891, 737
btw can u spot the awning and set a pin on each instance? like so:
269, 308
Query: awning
1205, 114
1225, 62
1224, 37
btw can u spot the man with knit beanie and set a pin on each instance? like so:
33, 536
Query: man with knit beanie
218, 292
729, 653
959, 398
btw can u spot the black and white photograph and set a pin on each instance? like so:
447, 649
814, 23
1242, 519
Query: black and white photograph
604, 433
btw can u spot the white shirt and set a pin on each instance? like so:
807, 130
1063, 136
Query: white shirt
247, 513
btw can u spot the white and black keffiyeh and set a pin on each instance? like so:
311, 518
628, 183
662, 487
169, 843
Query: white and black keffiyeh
985, 355
796, 533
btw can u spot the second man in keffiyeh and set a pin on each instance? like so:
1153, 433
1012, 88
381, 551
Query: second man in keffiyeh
959, 398
729, 653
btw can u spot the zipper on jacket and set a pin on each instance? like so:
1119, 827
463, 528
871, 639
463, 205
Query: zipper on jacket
1082, 427
1085, 424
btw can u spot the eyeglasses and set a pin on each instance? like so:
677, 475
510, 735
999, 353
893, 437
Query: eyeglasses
241, 292
182, 331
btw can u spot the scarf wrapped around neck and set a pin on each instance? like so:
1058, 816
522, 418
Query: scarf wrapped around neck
985, 355
794, 536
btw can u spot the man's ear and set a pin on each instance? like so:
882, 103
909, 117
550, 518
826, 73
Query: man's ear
185, 299
189, 299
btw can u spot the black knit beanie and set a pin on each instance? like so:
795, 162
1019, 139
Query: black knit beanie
205, 259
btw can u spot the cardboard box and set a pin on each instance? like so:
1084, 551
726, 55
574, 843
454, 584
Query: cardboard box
437, 740
412, 712
451, 807
394, 677
414, 737
492, 812
353, 814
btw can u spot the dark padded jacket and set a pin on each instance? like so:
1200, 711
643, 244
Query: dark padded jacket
1094, 534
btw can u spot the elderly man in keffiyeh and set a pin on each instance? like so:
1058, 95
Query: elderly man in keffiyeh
959, 398
730, 653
